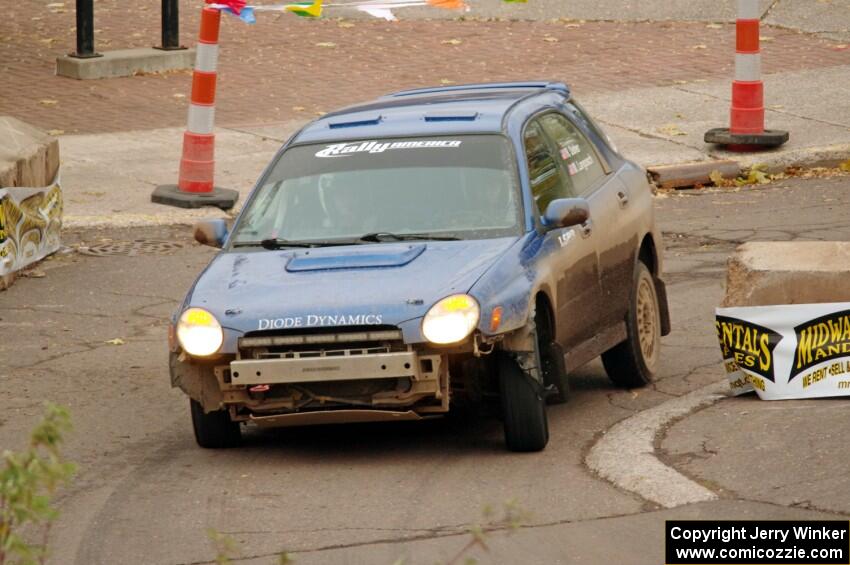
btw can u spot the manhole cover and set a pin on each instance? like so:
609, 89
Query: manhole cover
131, 248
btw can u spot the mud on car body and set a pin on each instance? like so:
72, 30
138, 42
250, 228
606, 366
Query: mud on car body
433, 246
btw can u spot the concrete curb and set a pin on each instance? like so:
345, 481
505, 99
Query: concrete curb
625, 455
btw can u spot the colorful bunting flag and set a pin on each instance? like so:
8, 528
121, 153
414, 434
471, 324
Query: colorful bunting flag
313, 8
234, 6
306, 9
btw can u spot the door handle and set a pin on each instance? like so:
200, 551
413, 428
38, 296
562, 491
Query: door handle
586, 228
623, 198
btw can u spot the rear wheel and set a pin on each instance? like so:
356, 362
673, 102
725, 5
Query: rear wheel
523, 408
634, 362
214, 430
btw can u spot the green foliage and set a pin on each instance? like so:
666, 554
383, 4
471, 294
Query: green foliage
512, 518
28, 480
227, 548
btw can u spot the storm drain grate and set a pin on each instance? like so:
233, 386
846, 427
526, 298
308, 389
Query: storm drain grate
132, 248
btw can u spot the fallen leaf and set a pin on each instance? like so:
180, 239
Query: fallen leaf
714, 26
116, 341
765, 38
573, 25
671, 129
699, 46
446, 81
719, 180
550, 39
34, 274
56, 5
48, 102
298, 108
845, 166
757, 174
680, 116
680, 82
451, 42
345, 24
328, 44
776, 106
178, 95
55, 131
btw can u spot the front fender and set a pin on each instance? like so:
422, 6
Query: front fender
512, 283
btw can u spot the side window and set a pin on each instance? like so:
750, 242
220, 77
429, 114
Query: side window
575, 151
547, 180
582, 116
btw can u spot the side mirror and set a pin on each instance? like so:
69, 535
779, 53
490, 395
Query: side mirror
211, 232
566, 212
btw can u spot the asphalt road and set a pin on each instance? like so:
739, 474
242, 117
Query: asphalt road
376, 493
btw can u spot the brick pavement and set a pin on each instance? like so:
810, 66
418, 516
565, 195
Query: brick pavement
275, 70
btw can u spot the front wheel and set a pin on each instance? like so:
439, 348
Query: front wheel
634, 362
523, 408
214, 430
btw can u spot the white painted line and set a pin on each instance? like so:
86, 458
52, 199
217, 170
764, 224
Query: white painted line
748, 10
625, 455
748, 66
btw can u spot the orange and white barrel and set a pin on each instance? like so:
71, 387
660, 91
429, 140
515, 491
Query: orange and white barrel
197, 164
747, 88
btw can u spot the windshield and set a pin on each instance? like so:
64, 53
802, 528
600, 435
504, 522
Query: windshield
454, 187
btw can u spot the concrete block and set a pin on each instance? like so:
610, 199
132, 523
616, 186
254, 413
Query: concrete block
690, 174
788, 272
28, 156
8, 173
124, 63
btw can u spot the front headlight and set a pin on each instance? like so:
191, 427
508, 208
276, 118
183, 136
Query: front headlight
451, 319
199, 333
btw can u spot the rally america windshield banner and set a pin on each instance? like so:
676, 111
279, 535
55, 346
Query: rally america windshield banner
788, 351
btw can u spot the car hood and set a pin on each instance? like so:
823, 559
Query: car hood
376, 284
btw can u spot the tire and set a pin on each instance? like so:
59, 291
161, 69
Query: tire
523, 408
634, 362
551, 362
214, 430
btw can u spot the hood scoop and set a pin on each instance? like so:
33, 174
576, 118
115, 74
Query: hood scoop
376, 257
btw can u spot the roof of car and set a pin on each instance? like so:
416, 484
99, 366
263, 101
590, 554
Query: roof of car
469, 108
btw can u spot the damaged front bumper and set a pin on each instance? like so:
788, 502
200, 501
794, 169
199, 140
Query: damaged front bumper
320, 378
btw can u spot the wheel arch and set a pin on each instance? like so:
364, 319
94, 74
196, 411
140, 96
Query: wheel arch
648, 255
543, 303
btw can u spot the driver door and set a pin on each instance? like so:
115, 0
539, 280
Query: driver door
570, 253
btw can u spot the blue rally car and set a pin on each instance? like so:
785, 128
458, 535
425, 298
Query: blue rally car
430, 247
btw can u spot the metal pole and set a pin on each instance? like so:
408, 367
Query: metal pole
170, 26
85, 30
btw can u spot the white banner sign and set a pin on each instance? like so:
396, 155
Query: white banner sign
784, 352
